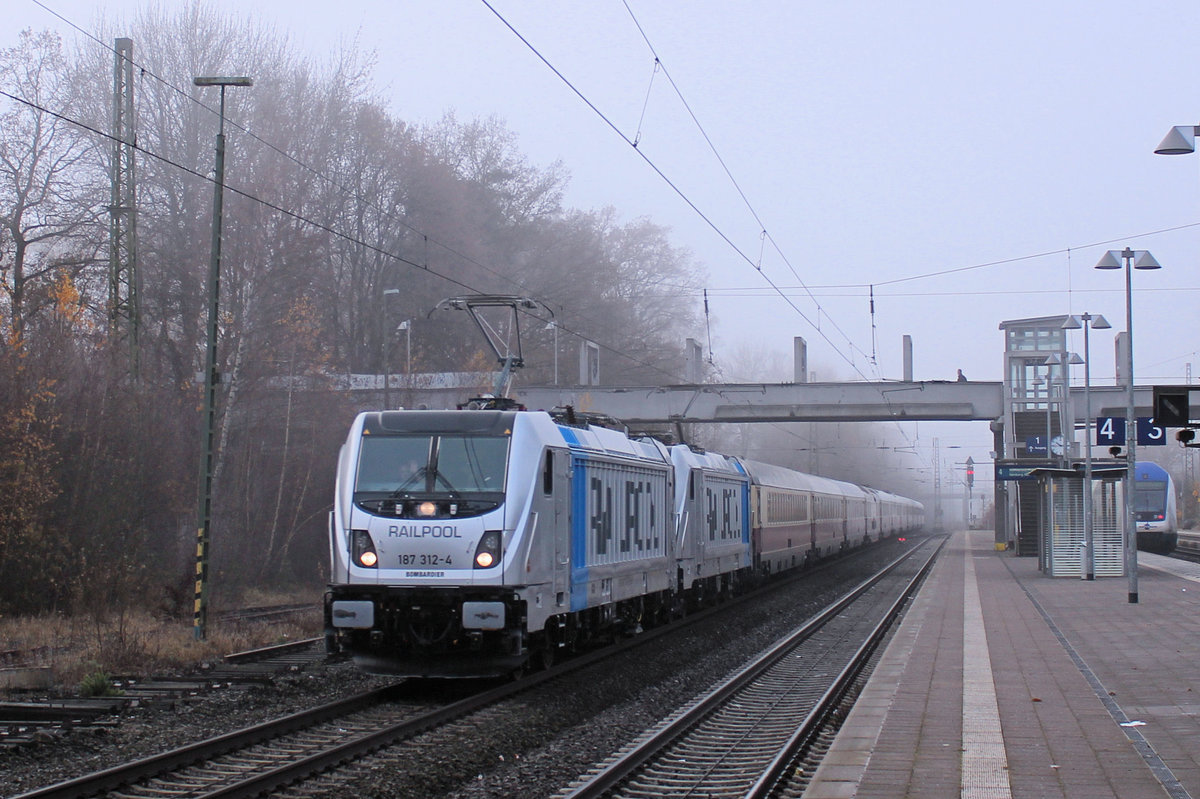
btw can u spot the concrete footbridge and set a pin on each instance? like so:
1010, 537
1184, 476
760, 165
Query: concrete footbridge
918, 401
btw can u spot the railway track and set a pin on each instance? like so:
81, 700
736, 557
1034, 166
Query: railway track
742, 739
289, 751
269, 613
29, 723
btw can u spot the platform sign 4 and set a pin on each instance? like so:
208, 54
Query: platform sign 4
1110, 432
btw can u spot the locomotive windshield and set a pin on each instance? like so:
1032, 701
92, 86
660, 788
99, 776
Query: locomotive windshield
432, 464
1150, 496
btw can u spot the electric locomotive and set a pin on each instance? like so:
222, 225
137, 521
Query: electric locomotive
713, 546
470, 543
481, 542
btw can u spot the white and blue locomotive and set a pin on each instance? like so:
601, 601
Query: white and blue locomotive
477, 543
1154, 508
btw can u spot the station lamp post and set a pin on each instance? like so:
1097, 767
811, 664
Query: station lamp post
553, 325
211, 379
405, 326
386, 335
1088, 323
1131, 259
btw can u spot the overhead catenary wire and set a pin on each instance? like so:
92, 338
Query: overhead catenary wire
668, 181
690, 203
671, 184
764, 233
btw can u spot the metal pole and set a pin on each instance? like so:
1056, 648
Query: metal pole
387, 368
1089, 544
386, 333
1130, 436
1049, 391
211, 378
556, 353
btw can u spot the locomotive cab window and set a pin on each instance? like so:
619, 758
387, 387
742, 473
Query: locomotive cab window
548, 473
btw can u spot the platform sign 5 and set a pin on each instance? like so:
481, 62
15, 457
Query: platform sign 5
1110, 432
1150, 434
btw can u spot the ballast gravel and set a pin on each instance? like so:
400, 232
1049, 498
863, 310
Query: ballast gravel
532, 746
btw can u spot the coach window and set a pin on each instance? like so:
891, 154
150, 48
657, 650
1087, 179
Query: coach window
548, 474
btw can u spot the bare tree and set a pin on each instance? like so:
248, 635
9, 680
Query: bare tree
49, 203
485, 153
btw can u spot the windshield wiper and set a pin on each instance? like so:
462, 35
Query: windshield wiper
403, 487
439, 476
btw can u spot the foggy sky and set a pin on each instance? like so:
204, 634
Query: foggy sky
876, 142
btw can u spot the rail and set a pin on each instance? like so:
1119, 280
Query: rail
718, 745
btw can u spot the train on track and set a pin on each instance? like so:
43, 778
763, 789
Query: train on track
1154, 508
479, 543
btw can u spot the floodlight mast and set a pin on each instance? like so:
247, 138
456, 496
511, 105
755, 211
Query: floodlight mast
507, 351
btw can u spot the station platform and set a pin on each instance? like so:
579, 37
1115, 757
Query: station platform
1003, 682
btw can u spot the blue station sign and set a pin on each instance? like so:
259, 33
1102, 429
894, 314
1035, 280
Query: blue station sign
1110, 432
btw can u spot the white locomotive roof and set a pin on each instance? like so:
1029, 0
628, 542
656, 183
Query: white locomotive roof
602, 440
685, 457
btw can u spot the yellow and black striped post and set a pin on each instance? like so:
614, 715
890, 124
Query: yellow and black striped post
200, 612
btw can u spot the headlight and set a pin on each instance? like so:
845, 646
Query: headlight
362, 549
427, 509
487, 554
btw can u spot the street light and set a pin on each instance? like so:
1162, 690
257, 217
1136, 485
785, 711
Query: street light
204, 511
1133, 259
1180, 140
1088, 323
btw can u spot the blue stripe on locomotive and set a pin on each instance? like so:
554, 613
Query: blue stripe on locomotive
579, 528
569, 436
745, 510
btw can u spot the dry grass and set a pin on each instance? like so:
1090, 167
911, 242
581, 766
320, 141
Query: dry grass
136, 643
